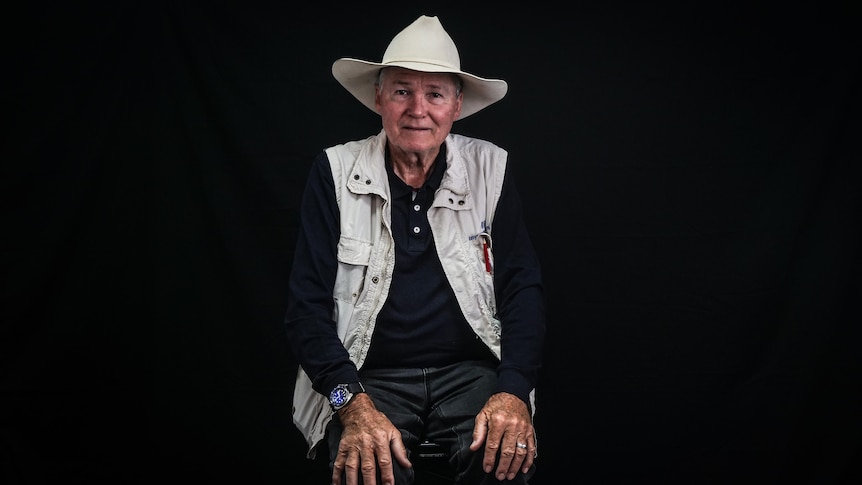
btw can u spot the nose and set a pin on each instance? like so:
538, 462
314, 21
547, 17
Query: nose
417, 105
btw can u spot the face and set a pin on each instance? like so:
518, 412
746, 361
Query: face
417, 108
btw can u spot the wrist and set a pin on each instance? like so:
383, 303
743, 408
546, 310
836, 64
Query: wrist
342, 394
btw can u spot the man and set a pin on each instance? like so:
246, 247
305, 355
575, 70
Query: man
415, 305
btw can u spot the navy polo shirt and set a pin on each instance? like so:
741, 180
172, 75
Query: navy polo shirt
421, 324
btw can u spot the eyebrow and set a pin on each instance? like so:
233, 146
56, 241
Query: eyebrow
433, 85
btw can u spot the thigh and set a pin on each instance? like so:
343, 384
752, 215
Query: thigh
458, 393
401, 395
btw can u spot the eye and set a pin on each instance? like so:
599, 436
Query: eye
436, 98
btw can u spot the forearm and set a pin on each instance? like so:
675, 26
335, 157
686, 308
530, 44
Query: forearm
520, 298
308, 324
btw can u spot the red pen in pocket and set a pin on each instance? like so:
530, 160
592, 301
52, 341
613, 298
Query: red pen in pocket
486, 248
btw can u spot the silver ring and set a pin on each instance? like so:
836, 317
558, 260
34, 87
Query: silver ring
520, 445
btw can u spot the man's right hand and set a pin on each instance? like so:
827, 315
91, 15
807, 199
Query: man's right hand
369, 440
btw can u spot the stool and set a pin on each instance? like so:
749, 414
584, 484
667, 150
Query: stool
431, 465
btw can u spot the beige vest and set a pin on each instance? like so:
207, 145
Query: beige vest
463, 208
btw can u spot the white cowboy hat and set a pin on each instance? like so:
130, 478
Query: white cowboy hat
421, 46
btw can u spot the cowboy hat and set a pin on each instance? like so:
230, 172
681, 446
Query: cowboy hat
421, 46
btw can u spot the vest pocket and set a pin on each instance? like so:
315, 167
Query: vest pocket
353, 251
353, 259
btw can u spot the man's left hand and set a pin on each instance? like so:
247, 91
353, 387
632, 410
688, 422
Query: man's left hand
505, 426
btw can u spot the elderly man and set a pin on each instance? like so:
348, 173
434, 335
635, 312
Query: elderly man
416, 307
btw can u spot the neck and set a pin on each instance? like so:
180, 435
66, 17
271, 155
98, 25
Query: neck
413, 168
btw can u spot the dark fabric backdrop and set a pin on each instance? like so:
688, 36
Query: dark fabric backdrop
691, 181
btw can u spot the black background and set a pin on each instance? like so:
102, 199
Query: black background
691, 181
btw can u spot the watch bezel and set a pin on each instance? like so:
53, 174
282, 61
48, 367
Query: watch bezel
343, 393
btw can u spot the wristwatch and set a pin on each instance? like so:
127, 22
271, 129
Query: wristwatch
343, 393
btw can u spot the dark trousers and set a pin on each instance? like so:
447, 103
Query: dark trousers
438, 404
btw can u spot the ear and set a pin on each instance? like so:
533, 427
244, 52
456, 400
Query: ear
376, 98
458, 103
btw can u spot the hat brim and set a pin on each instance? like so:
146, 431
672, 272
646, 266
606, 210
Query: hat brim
358, 77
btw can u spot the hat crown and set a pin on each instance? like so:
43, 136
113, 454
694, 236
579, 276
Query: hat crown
424, 41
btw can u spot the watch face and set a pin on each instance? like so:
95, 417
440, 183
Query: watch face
338, 396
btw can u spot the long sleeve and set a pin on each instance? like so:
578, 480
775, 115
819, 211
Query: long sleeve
309, 326
519, 293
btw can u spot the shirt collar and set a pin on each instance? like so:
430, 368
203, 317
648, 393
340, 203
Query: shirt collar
398, 188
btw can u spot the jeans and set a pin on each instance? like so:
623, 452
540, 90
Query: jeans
438, 404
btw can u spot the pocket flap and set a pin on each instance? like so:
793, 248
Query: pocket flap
354, 251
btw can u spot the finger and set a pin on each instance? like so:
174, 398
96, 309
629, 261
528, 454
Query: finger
494, 449
338, 468
352, 468
504, 461
346, 465
480, 431
369, 471
507, 464
518, 459
532, 451
384, 462
528, 462
336, 475
399, 451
